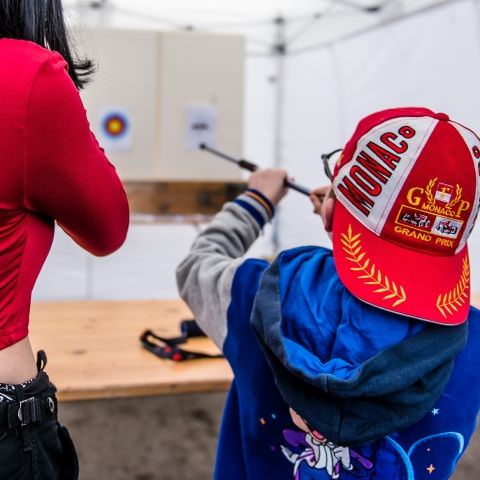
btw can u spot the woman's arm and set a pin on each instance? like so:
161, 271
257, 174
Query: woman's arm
67, 175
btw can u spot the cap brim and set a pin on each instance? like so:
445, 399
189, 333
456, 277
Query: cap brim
432, 288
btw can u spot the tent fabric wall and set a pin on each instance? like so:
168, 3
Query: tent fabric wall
431, 59
259, 117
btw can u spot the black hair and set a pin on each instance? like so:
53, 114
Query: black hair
42, 22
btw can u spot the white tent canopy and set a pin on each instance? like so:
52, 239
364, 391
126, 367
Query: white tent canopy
307, 22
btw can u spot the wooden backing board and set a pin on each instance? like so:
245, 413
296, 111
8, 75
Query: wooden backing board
94, 351
180, 198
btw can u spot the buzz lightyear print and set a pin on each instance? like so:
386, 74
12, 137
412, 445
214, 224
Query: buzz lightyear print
314, 457
317, 453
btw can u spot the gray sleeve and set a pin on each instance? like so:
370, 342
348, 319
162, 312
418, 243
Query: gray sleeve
205, 276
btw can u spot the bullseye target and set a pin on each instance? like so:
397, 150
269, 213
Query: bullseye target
115, 125
115, 128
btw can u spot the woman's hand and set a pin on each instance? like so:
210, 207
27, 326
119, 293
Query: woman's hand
270, 182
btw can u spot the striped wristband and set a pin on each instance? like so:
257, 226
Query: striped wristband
262, 199
257, 204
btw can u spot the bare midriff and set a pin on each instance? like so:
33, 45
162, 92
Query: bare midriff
17, 363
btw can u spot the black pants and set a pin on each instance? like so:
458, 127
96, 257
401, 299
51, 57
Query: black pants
38, 450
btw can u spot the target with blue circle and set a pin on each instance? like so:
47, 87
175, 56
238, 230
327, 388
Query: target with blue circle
115, 125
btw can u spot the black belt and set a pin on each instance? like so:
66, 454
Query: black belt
35, 402
28, 411
168, 348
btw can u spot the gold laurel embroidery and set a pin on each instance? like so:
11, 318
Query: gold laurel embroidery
428, 190
457, 198
448, 303
369, 273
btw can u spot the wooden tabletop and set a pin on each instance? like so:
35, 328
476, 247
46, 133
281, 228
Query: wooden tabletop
94, 351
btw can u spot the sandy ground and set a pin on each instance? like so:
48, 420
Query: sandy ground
469, 466
166, 438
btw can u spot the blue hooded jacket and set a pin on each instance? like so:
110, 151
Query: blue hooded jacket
325, 386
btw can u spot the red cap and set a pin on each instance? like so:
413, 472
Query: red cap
408, 194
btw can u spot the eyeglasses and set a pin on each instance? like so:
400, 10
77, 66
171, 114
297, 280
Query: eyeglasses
330, 160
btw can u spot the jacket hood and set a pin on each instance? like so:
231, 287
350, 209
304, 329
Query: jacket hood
353, 372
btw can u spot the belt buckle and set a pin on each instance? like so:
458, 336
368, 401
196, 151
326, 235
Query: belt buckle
30, 402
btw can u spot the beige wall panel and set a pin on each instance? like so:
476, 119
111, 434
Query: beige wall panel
126, 78
154, 77
200, 69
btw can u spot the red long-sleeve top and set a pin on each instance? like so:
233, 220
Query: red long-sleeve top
51, 169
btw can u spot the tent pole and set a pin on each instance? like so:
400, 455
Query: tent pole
279, 51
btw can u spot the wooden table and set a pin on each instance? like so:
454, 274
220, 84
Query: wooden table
94, 350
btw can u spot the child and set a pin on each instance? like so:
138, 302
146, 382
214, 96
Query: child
353, 363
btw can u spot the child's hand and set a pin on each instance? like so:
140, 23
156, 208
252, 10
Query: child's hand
270, 182
317, 197
323, 202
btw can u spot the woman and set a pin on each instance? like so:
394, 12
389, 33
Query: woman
51, 169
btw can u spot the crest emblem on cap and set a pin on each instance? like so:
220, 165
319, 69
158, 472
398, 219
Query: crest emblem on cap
444, 194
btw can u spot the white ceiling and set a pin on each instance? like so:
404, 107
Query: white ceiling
193, 10
308, 22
